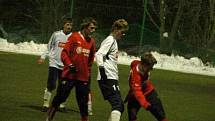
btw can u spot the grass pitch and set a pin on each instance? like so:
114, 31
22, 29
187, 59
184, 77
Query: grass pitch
186, 97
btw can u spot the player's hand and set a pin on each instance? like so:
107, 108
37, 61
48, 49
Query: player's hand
148, 108
72, 68
102, 73
40, 61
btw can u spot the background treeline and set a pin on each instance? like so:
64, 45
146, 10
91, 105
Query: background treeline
190, 24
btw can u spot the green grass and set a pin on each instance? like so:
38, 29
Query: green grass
186, 97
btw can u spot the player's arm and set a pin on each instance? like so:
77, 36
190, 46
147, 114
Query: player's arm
103, 50
92, 54
66, 52
50, 45
136, 86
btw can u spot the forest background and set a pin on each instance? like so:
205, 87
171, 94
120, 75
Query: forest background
182, 27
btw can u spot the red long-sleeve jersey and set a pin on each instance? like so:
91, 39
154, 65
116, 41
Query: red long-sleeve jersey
136, 81
79, 52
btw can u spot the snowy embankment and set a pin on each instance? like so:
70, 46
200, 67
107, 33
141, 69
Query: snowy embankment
173, 62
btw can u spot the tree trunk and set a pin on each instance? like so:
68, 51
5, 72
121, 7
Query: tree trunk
211, 22
176, 23
163, 40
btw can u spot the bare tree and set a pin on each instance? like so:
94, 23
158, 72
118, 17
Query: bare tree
49, 16
211, 27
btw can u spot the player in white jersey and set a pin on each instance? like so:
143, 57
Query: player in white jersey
106, 58
53, 52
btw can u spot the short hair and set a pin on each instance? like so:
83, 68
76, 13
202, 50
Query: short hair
87, 21
67, 20
120, 24
148, 59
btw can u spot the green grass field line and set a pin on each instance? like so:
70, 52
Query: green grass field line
186, 97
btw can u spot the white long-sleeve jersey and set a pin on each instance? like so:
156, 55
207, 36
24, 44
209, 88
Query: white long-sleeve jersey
54, 49
107, 56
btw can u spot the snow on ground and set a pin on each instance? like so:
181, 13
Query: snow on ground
173, 62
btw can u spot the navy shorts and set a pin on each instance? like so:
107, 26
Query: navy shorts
110, 91
53, 76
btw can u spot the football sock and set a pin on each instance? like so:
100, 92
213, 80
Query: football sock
115, 115
89, 103
47, 97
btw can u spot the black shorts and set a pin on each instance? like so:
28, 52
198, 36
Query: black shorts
110, 91
53, 75
108, 87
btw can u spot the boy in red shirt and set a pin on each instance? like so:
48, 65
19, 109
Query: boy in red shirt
142, 92
77, 57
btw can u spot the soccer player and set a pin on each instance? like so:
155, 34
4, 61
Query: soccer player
142, 93
54, 48
77, 56
106, 58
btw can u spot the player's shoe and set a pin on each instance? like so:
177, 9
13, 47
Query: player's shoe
90, 112
44, 109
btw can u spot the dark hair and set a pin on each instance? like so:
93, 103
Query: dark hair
87, 21
67, 20
148, 59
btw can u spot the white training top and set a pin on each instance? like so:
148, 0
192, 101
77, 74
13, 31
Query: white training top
54, 49
108, 47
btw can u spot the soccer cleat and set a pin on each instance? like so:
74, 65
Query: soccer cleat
44, 109
90, 113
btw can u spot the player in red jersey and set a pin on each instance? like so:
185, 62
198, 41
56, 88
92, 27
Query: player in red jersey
142, 92
77, 56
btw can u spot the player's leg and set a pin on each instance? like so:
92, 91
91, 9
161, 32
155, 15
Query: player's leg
62, 107
63, 92
133, 107
51, 85
116, 101
82, 91
90, 110
46, 100
156, 106
89, 103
